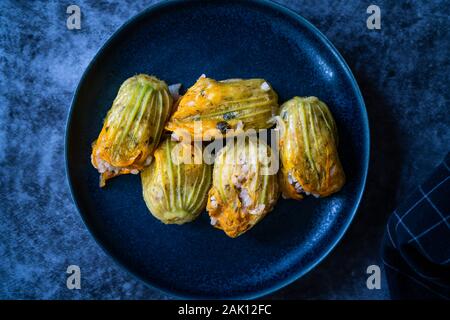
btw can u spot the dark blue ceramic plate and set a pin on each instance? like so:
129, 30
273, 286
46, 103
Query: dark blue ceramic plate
177, 41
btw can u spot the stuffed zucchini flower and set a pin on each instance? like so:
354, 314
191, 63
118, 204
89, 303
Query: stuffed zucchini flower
308, 150
132, 128
210, 108
244, 188
176, 184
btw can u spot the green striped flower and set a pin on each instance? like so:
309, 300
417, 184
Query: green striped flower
175, 190
133, 127
308, 149
220, 106
244, 188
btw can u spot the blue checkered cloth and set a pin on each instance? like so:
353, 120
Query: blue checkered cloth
416, 247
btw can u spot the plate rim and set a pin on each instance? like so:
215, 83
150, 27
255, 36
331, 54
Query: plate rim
366, 129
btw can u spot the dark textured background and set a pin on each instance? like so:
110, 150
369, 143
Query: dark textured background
403, 72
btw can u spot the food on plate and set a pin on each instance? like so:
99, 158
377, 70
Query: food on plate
176, 184
220, 106
132, 128
244, 188
308, 149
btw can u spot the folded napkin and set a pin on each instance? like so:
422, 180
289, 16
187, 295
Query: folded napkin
416, 246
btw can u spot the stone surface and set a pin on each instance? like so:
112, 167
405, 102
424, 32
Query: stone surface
402, 70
